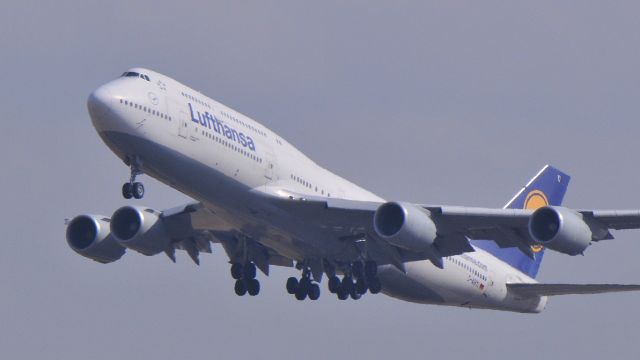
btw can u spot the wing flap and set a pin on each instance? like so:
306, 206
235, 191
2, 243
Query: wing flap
533, 290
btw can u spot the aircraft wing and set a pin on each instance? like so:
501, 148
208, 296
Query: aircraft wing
510, 227
534, 290
192, 228
614, 219
456, 225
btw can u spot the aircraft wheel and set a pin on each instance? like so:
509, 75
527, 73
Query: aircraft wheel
357, 268
342, 294
253, 287
314, 292
249, 271
347, 283
236, 271
292, 285
370, 269
361, 286
301, 293
240, 288
355, 295
334, 284
304, 284
138, 190
375, 286
127, 190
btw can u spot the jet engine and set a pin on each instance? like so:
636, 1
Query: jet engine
406, 226
89, 236
560, 229
140, 229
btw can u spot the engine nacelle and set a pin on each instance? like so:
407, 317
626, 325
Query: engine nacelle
406, 226
140, 229
89, 236
560, 229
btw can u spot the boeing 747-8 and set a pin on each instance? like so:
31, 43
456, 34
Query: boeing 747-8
268, 204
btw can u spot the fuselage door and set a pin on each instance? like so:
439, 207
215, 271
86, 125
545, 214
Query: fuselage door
183, 124
270, 164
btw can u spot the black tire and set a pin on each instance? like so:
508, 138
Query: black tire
240, 288
138, 190
342, 294
127, 190
236, 271
361, 286
249, 271
347, 284
375, 286
301, 293
370, 269
334, 284
314, 292
253, 287
304, 284
355, 295
357, 268
292, 285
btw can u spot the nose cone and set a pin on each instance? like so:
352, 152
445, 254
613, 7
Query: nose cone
100, 102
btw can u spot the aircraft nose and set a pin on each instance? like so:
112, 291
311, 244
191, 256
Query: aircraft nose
100, 101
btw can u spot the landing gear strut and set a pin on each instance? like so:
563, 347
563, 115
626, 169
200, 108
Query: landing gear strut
132, 188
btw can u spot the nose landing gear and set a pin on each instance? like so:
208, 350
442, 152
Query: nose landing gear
133, 189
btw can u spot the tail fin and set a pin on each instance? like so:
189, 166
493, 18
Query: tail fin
546, 188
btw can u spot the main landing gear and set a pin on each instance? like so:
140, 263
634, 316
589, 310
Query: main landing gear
355, 283
303, 288
245, 276
132, 188
359, 278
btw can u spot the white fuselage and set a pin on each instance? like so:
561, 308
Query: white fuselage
230, 162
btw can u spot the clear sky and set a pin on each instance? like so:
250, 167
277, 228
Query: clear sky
433, 102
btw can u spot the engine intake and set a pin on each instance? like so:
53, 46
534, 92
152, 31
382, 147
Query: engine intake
406, 226
89, 236
560, 229
140, 229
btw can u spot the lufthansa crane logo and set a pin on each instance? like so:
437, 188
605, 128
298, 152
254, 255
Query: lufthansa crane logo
535, 199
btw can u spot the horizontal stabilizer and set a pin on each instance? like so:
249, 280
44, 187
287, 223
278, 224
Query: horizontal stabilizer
531, 290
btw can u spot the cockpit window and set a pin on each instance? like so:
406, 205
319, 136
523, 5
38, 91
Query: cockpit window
135, 74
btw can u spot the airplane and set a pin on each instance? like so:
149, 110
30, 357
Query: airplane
268, 204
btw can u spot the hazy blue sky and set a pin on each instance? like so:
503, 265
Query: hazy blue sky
440, 102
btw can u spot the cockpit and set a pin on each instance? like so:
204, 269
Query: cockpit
135, 74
